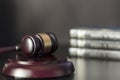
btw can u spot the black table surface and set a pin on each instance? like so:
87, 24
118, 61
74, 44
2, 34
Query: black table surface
85, 69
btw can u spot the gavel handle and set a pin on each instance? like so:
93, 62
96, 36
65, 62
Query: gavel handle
9, 49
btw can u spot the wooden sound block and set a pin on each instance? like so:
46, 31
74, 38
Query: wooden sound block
38, 69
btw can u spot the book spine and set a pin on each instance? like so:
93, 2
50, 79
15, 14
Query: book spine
95, 34
102, 44
94, 53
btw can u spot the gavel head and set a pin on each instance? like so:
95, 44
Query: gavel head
38, 44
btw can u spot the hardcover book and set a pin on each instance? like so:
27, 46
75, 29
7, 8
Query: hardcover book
95, 33
94, 53
102, 44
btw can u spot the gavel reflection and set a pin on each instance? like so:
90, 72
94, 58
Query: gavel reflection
35, 45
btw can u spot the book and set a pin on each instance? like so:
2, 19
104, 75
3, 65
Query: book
95, 33
94, 53
102, 44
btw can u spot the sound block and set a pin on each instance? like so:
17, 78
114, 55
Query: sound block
38, 68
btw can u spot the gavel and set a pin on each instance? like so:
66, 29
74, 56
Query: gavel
32, 63
35, 45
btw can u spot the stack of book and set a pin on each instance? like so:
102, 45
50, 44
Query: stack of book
93, 42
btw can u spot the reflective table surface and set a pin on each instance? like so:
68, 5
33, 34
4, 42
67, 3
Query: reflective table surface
85, 69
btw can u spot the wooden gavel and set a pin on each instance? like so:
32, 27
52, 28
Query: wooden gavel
35, 65
35, 45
